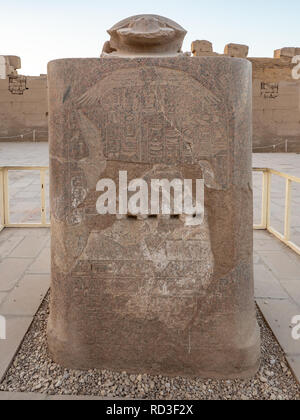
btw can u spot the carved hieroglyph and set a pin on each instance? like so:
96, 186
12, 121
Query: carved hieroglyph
154, 130
152, 294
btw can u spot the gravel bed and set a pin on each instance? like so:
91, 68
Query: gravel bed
33, 371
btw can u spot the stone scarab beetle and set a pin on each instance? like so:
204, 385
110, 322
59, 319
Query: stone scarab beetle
145, 35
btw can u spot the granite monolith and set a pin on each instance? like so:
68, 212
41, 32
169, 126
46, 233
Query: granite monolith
151, 294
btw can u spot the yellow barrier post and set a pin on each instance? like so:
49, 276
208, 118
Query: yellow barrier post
265, 216
6, 197
2, 207
264, 199
287, 216
43, 198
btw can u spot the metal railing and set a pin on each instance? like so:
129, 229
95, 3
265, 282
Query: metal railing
5, 202
273, 147
265, 214
33, 133
266, 206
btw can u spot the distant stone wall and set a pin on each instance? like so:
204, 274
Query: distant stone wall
23, 103
276, 106
276, 97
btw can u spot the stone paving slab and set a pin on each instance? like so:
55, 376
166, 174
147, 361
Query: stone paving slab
24, 154
8, 243
266, 284
277, 292
279, 315
18, 396
27, 297
42, 263
294, 363
29, 248
24, 283
292, 287
267, 245
11, 271
16, 328
281, 264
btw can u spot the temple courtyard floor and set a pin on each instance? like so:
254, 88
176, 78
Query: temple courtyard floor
27, 372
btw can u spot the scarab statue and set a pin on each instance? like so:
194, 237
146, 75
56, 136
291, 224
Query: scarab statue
145, 35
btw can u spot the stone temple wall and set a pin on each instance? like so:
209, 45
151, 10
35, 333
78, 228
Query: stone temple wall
276, 99
276, 106
23, 103
276, 96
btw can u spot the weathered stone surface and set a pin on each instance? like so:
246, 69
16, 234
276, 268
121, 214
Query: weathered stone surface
276, 123
202, 49
9, 64
279, 315
236, 50
23, 103
287, 52
12, 270
145, 35
26, 298
14, 62
16, 328
152, 295
275, 106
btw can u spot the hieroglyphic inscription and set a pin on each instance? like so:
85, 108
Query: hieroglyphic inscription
159, 115
134, 268
269, 90
125, 276
17, 85
78, 193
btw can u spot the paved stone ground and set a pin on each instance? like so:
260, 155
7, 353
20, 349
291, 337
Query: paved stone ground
277, 291
34, 371
277, 267
24, 154
31, 396
25, 264
24, 281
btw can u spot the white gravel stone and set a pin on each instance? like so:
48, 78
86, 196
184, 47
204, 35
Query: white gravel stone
33, 371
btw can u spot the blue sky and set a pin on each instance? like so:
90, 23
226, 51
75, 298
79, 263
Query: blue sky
41, 31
